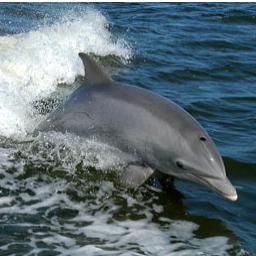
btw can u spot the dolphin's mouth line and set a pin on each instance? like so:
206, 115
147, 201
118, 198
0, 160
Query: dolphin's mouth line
200, 175
230, 196
201, 179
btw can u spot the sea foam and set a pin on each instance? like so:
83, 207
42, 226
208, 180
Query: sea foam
32, 64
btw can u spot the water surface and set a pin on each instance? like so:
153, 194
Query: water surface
59, 193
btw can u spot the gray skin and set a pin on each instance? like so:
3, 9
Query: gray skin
156, 132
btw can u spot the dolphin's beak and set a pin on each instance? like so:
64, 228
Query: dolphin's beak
222, 186
232, 197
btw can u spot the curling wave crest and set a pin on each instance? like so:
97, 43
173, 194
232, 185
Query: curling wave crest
33, 64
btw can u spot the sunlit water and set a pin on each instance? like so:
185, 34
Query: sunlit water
59, 194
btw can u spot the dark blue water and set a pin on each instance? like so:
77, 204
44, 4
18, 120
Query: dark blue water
202, 56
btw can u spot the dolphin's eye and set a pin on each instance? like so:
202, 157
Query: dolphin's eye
180, 165
202, 138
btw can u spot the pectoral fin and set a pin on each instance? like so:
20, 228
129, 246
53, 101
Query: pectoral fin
135, 175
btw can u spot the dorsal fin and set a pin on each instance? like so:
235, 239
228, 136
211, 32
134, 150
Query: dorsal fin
94, 73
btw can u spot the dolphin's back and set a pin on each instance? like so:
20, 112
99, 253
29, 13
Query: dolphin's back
107, 109
131, 118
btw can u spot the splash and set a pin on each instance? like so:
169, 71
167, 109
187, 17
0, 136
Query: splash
33, 64
86, 216
63, 206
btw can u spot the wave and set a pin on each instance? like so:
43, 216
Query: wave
239, 169
77, 201
34, 63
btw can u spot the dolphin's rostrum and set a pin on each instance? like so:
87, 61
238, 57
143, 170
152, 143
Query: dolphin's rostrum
156, 132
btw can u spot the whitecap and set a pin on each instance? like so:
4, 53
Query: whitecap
32, 64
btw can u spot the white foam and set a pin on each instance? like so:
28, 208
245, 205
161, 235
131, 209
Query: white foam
59, 239
70, 150
4, 157
94, 230
33, 64
5, 200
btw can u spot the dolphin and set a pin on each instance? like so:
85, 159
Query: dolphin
156, 132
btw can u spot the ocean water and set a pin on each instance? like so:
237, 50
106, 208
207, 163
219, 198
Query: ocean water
59, 193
